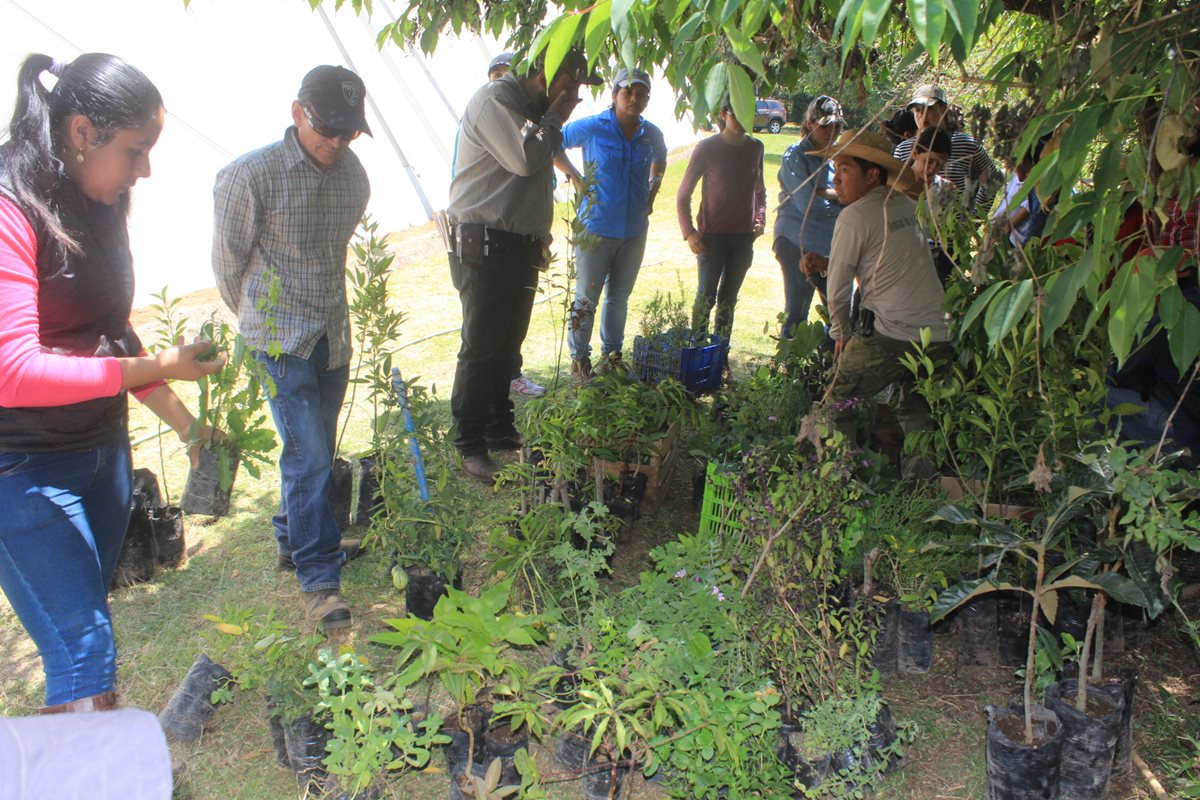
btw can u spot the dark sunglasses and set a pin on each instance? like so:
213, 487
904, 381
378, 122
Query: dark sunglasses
327, 132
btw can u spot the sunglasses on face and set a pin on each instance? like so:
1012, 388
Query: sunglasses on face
327, 132
828, 121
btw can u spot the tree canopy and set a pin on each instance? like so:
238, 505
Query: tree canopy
1113, 81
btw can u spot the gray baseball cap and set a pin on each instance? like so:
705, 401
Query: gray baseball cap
927, 94
627, 78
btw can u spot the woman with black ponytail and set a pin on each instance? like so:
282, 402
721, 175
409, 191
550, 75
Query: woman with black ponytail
68, 355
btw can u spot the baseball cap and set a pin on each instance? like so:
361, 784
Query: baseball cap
824, 110
338, 97
626, 77
927, 94
502, 60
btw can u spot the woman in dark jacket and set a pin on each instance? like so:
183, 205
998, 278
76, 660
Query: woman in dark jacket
68, 355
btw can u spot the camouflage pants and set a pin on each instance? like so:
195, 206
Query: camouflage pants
867, 366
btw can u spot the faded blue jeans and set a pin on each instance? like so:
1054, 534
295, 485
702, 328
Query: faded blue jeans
308, 398
64, 520
610, 265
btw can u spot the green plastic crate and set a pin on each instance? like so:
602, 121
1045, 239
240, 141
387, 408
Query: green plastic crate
720, 514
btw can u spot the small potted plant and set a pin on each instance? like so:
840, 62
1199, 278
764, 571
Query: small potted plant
233, 401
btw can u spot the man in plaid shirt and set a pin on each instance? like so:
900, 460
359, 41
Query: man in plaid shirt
284, 216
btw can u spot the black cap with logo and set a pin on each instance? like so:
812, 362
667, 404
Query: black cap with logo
337, 96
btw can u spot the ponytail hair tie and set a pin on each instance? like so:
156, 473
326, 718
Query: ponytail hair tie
57, 68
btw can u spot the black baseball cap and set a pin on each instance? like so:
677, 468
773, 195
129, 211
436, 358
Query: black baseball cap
338, 97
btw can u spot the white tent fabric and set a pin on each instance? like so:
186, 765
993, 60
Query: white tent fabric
228, 71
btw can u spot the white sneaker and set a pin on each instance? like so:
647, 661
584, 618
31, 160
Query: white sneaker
523, 385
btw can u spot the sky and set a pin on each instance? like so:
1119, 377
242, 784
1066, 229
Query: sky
228, 71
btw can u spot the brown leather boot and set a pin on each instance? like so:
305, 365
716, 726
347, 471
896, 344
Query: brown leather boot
98, 702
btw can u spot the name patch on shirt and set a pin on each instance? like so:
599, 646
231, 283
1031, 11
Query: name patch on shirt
903, 222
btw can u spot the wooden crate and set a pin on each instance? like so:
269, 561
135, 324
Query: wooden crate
658, 467
957, 490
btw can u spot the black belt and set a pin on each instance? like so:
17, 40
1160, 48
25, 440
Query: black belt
499, 241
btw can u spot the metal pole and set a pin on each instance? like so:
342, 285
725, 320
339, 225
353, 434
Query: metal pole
424, 68
387, 130
413, 103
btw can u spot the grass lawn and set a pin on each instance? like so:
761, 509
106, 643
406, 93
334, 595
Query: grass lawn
160, 628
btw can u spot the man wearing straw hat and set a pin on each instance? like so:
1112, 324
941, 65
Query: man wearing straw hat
877, 244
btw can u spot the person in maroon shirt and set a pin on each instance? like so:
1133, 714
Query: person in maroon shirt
733, 213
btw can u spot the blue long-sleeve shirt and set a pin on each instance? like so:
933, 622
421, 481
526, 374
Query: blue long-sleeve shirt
622, 172
805, 217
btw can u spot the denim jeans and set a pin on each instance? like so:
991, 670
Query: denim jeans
797, 291
65, 516
610, 265
722, 267
497, 299
308, 398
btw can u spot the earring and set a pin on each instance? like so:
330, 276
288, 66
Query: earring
79, 157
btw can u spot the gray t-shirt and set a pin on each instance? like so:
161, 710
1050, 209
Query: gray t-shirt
877, 242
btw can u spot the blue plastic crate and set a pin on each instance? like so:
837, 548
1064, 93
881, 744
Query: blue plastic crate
698, 368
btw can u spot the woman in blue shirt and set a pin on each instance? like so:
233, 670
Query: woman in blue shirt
808, 207
625, 158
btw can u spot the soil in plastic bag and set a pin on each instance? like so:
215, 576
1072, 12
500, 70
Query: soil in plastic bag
145, 488
887, 642
136, 562
870, 758
305, 740
423, 592
1016, 771
502, 742
277, 739
191, 704
170, 543
1090, 738
914, 637
202, 494
571, 750
341, 489
1127, 679
978, 633
603, 780
368, 500
806, 768
474, 719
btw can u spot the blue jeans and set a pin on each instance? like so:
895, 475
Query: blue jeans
308, 398
722, 268
65, 516
797, 291
610, 265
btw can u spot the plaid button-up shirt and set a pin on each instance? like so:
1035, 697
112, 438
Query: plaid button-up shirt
275, 210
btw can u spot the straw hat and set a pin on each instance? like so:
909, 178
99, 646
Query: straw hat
873, 147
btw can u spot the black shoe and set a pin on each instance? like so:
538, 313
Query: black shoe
351, 547
481, 467
508, 440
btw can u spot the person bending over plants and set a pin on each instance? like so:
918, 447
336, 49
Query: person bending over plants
68, 358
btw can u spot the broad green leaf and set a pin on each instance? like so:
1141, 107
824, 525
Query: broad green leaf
872, 14
741, 94
928, 18
980, 304
620, 16
1063, 292
730, 8
685, 31
599, 25
1007, 310
1183, 339
965, 15
1048, 600
746, 51
956, 595
561, 40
